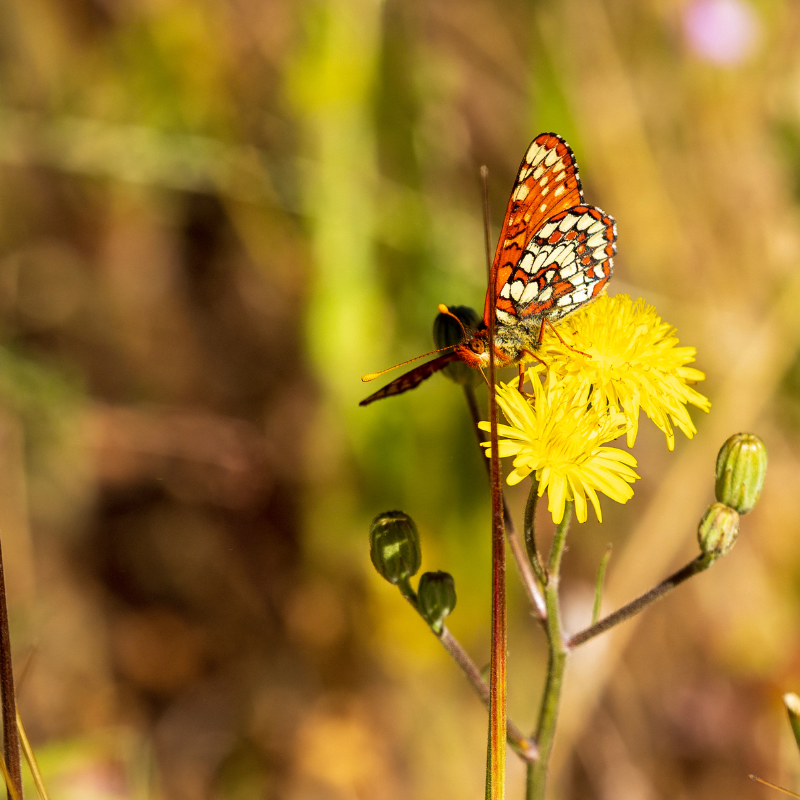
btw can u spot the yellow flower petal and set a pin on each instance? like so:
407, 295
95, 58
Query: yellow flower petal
617, 358
578, 497
629, 360
562, 437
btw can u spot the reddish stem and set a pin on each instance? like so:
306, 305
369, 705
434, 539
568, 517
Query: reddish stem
10, 735
498, 700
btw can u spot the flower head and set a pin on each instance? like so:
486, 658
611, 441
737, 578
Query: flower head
561, 439
625, 358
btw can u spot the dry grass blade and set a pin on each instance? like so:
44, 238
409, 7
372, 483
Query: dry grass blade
12, 790
31, 759
774, 786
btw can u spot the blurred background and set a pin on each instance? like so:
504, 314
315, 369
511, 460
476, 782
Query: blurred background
215, 215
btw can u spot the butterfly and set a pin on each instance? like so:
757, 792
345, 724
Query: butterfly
555, 254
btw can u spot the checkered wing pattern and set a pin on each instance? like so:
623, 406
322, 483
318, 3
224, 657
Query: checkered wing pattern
547, 184
567, 262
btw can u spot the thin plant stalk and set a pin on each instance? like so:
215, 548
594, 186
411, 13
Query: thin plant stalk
773, 786
10, 737
13, 793
530, 530
496, 768
529, 580
525, 748
556, 664
792, 703
31, 759
598, 588
701, 563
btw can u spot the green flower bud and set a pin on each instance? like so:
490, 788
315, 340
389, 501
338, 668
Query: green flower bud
741, 469
792, 703
437, 597
394, 546
718, 529
447, 331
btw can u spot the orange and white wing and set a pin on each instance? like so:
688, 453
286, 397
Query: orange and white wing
547, 183
564, 266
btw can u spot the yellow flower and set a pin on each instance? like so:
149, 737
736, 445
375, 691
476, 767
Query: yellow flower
560, 438
631, 361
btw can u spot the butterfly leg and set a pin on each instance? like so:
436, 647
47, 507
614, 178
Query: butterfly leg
522, 372
553, 328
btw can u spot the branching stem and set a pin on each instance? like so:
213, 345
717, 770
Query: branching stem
525, 748
701, 563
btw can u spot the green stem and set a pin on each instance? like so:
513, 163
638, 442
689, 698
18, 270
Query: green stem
530, 530
408, 592
557, 547
598, 586
701, 563
556, 664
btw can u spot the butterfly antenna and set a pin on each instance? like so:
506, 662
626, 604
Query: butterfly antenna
372, 375
443, 309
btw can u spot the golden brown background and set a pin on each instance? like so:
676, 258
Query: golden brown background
215, 215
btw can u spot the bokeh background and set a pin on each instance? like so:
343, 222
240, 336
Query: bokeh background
215, 215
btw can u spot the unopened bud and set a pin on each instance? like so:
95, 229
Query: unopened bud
394, 546
718, 529
446, 332
741, 469
437, 597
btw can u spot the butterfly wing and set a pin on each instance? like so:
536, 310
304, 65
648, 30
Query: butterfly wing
547, 183
411, 379
565, 265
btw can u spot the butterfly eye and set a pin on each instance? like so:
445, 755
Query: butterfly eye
477, 346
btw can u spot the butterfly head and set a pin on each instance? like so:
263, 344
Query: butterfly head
461, 328
474, 350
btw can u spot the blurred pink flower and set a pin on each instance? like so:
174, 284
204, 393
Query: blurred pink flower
722, 31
